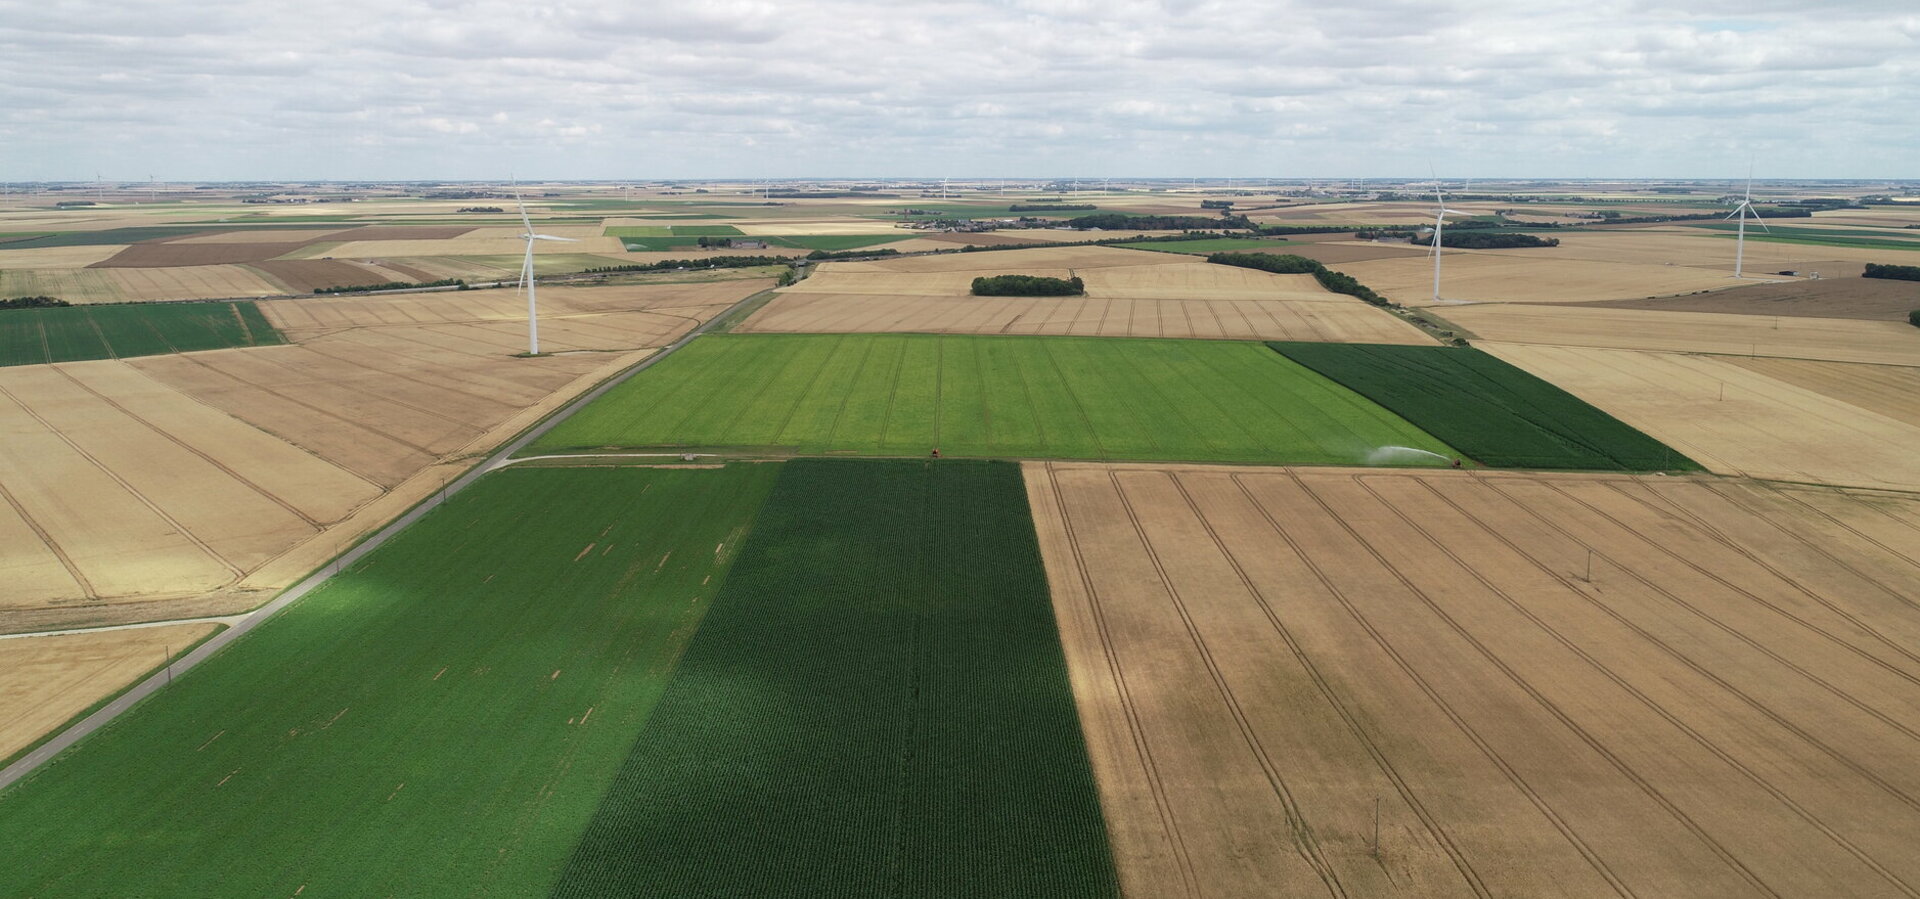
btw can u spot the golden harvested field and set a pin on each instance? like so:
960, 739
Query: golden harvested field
1698, 248
468, 245
1765, 427
1012, 261
188, 484
56, 257
835, 280
1726, 705
1891, 390
1838, 340
1338, 319
1480, 277
122, 285
1871, 299
45, 681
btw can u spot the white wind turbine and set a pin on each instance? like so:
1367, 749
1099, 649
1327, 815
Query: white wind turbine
1743, 210
526, 276
1439, 224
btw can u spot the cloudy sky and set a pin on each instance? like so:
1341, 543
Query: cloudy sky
458, 89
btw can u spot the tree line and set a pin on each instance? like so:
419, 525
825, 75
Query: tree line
1028, 286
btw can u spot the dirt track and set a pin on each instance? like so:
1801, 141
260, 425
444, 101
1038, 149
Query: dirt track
1727, 706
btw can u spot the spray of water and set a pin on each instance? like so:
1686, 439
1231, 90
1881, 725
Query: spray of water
1405, 455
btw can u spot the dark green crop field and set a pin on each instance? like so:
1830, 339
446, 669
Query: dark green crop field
1492, 411
75, 333
1007, 397
876, 705
440, 720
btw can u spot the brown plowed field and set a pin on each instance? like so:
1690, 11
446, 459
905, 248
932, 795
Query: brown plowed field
1832, 339
1727, 704
46, 680
309, 275
1486, 277
164, 254
1872, 299
1733, 416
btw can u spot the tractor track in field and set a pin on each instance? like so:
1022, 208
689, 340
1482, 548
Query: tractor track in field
1622, 683
157, 681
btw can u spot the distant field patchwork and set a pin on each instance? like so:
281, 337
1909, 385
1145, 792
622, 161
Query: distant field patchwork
440, 720
75, 333
1022, 397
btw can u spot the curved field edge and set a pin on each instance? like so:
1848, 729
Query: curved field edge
877, 704
440, 719
988, 396
1497, 414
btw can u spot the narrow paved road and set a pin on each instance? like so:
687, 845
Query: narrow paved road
26, 764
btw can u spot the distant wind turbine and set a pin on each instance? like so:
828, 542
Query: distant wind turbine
526, 276
1439, 224
1743, 210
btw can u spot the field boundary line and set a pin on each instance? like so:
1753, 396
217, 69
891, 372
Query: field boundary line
86, 587
1721, 538
1666, 648
1138, 735
127, 486
1325, 688
1711, 621
170, 437
1711, 747
228, 620
1303, 840
1663, 549
1547, 705
159, 680
1480, 742
1788, 495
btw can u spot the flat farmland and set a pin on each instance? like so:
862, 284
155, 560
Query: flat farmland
44, 681
1833, 296
1495, 413
1736, 419
988, 396
918, 740
1004, 261
1836, 340
1724, 704
1685, 246
1891, 390
75, 333
1328, 317
340, 735
211, 478
127, 285
1483, 277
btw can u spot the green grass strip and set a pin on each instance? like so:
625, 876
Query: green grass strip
876, 705
1497, 414
990, 397
441, 720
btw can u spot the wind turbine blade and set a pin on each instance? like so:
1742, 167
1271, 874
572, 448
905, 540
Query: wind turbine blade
1737, 210
551, 237
1762, 223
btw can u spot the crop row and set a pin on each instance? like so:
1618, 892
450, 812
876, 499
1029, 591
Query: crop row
1490, 410
876, 704
76, 333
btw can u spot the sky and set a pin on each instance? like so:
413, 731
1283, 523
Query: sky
479, 90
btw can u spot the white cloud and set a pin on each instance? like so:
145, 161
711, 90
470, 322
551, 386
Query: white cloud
248, 89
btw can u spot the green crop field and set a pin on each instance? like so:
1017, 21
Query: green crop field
1861, 238
1216, 245
1008, 397
75, 333
836, 241
877, 706
441, 720
1495, 413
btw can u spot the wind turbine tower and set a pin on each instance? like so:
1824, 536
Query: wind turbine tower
1439, 225
1742, 211
526, 276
